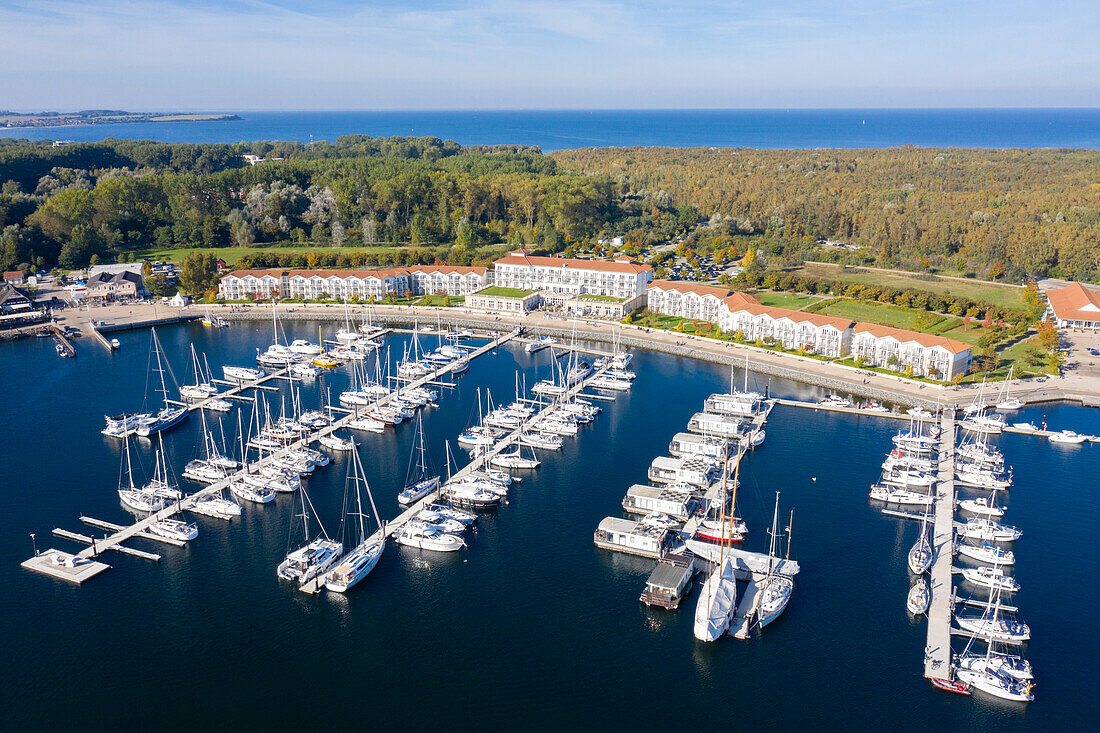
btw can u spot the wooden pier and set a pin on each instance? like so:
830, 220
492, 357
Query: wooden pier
106, 342
937, 652
140, 529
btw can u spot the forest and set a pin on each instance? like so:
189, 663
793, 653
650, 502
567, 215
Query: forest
996, 214
993, 214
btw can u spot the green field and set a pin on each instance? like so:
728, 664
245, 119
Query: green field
792, 301
888, 315
1003, 295
440, 301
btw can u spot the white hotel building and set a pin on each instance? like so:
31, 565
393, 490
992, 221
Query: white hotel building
824, 335
686, 300
341, 284
894, 348
619, 279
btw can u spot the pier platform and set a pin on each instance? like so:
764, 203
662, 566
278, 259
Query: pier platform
746, 611
937, 656
64, 565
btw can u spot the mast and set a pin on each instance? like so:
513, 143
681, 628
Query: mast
790, 524
160, 366
774, 534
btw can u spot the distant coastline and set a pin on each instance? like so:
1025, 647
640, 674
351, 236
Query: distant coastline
19, 120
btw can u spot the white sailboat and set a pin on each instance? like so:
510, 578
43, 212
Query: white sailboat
173, 412
418, 484
776, 589
132, 497
1004, 402
313, 558
920, 554
162, 484
919, 597
358, 563
717, 602
991, 578
1004, 675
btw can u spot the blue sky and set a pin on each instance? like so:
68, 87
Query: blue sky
453, 54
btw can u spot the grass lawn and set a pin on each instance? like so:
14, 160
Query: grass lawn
791, 301
440, 301
887, 315
997, 294
593, 296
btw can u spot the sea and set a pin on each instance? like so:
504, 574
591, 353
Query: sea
568, 129
530, 627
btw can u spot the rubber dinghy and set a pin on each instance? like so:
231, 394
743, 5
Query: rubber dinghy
717, 602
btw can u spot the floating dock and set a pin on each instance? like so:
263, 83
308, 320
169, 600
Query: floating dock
64, 565
937, 651
140, 529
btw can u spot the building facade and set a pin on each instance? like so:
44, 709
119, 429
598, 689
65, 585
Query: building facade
895, 348
125, 284
1074, 306
685, 300
823, 335
619, 279
350, 284
497, 299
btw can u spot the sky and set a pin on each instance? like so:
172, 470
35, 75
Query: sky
169, 55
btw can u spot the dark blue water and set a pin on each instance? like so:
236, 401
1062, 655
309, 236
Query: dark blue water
530, 626
555, 130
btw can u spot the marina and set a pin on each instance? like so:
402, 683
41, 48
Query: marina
558, 504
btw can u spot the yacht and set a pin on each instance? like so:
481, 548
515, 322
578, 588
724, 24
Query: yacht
995, 628
418, 484
301, 346
174, 529
358, 563
429, 537
1027, 427
1013, 665
471, 494
450, 512
125, 424
981, 528
335, 443
992, 578
251, 491
544, 441
921, 554
513, 460
919, 597
539, 345
1067, 437
776, 589
986, 553
445, 523
313, 558
982, 505
717, 602
139, 500
173, 413
368, 424
892, 495
242, 374
835, 401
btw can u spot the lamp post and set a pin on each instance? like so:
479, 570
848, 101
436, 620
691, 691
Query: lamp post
34, 545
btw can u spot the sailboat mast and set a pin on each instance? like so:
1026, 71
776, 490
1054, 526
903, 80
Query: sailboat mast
790, 523
129, 468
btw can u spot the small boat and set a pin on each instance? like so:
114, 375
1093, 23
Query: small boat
449, 511
995, 629
366, 423
539, 345
776, 589
116, 344
948, 686
242, 374
919, 597
301, 346
513, 460
660, 520
419, 484
918, 412
1027, 427
174, 529
1067, 437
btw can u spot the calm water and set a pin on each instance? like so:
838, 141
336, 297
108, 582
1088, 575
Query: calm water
531, 626
554, 130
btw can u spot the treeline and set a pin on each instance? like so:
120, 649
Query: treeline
76, 204
1001, 214
956, 305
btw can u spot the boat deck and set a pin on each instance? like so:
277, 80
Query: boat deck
937, 657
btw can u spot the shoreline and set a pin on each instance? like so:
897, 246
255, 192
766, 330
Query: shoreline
872, 385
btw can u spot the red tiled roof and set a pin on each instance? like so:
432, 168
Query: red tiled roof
737, 300
274, 272
447, 269
362, 274
1075, 302
520, 257
903, 336
681, 286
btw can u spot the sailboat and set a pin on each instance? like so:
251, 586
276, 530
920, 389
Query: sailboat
1003, 401
1004, 675
420, 484
173, 412
202, 388
347, 334
717, 530
358, 563
920, 554
313, 558
718, 596
173, 529
919, 597
132, 497
776, 589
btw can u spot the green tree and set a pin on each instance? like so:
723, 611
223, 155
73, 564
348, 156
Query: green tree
198, 273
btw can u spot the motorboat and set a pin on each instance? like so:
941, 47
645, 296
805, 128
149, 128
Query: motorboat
125, 424
445, 523
919, 412
1027, 427
1067, 437
429, 537
660, 520
544, 441
835, 401
919, 597
301, 346
993, 578
539, 345
450, 512
471, 494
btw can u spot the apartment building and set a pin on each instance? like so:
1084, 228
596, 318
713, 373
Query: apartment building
895, 348
622, 278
